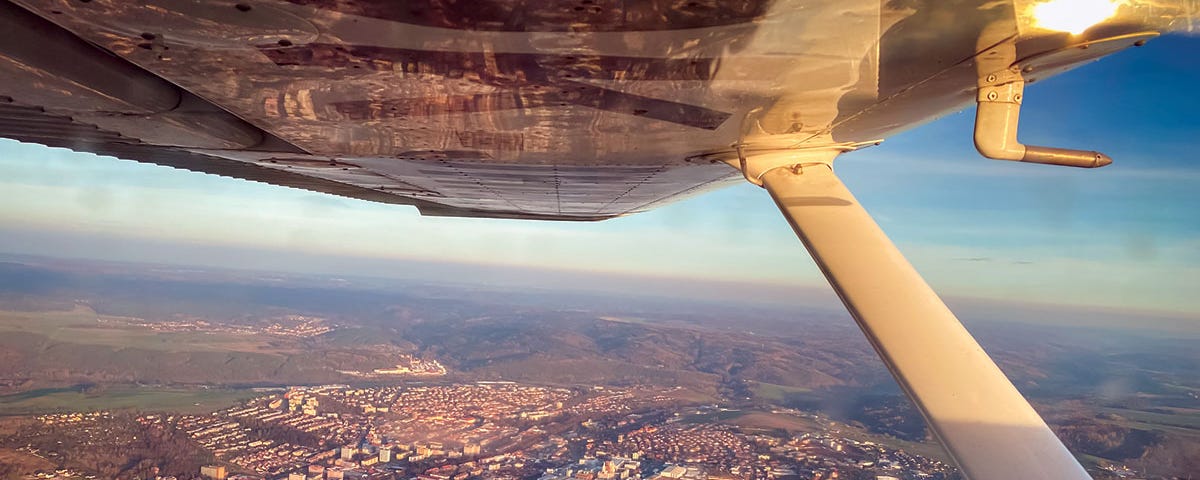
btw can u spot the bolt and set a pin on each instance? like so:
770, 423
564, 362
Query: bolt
991, 78
1017, 98
992, 95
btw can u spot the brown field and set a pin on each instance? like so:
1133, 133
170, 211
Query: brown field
14, 464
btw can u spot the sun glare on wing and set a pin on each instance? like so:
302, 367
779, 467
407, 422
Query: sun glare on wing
1074, 16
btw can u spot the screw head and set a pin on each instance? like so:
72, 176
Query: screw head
991, 78
992, 95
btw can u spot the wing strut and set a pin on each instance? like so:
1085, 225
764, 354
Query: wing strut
980, 418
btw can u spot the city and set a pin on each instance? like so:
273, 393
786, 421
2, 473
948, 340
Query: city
144, 376
481, 430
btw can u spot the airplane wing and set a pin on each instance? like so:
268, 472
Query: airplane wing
497, 109
584, 110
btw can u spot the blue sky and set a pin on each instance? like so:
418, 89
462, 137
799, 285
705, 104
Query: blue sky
1126, 236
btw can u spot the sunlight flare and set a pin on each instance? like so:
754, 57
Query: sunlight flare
1073, 16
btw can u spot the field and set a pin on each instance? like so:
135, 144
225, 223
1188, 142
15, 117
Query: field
714, 416
776, 421
795, 424
1183, 417
84, 326
189, 400
776, 393
15, 464
1185, 422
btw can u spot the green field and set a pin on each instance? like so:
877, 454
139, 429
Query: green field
1186, 423
776, 393
714, 416
767, 421
633, 320
183, 400
86, 327
1091, 461
1184, 419
754, 420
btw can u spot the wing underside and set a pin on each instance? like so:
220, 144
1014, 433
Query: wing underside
496, 108
505, 109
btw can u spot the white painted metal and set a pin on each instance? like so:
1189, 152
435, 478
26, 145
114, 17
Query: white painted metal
981, 419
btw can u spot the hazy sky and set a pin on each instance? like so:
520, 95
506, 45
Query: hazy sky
1123, 236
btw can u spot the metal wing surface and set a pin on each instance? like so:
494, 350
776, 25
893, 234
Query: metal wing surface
580, 110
